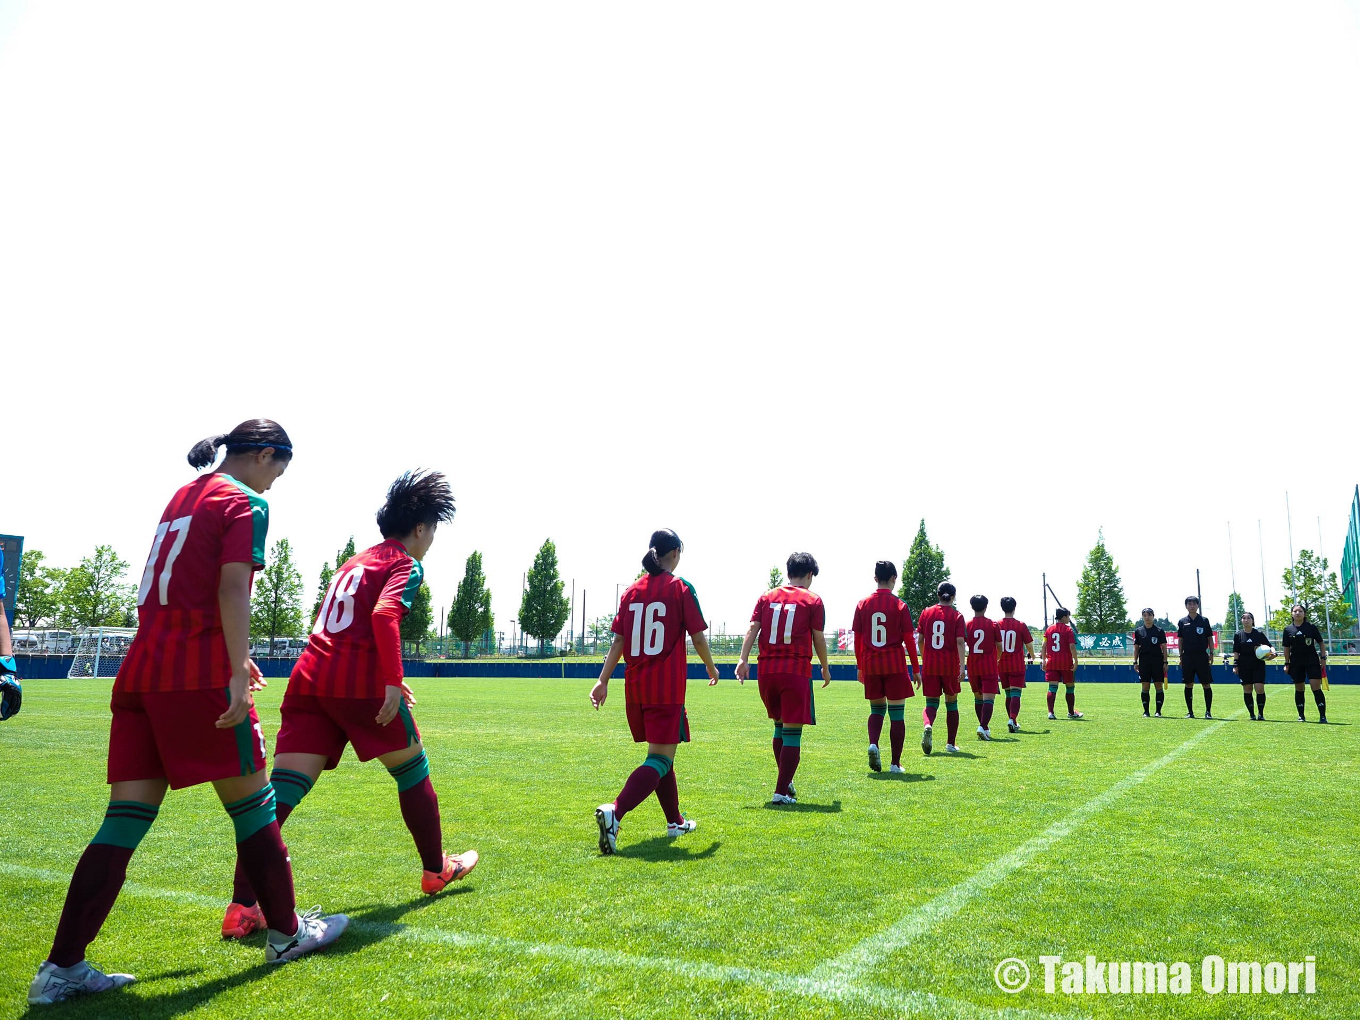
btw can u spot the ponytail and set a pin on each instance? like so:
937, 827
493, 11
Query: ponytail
205, 451
256, 434
663, 542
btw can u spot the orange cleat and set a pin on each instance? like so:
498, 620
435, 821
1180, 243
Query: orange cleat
455, 867
242, 921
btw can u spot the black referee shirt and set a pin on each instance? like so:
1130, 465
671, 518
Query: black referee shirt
1149, 641
1245, 643
1196, 636
1303, 642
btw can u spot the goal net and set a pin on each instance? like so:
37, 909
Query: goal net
100, 651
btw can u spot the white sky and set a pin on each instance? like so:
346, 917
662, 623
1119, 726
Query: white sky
621, 266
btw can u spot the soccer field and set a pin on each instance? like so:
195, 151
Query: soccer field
875, 896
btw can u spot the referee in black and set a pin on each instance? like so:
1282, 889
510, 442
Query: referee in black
1149, 642
1304, 654
1197, 656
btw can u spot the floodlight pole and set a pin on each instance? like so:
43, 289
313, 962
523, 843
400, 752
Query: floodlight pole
1237, 617
1326, 609
1289, 524
1261, 551
1045, 576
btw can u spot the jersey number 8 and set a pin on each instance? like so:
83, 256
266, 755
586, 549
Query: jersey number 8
937, 634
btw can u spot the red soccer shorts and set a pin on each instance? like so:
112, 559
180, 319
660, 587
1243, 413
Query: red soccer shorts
319, 724
1009, 680
171, 735
937, 686
788, 698
1061, 676
658, 724
894, 687
985, 685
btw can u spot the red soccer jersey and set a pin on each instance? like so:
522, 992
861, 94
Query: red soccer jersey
883, 635
787, 618
940, 627
981, 635
179, 644
1058, 642
655, 614
341, 659
1013, 636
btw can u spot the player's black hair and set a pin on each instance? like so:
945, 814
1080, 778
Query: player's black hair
979, 603
946, 591
1192, 598
1245, 613
1061, 614
663, 542
1299, 605
417, 497
800, 564
249, 436
884, 570
1007, 604
1149, 609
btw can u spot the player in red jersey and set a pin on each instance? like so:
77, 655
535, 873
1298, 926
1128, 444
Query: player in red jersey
347, 687
1060, 662
1017, 646
943, 648
788, 623
655, 614
984, 648
183, 712
884, 637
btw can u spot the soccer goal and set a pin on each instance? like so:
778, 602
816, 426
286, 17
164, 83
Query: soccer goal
100, 651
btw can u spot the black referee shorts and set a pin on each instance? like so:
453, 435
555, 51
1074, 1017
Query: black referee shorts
1300, 672
1151, 673
1197, 670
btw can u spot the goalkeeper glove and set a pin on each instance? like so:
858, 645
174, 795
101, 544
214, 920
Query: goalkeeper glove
11, 693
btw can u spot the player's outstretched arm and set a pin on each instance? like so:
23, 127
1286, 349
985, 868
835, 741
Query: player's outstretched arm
601, 689
744, 660
233, 602
819, 646
700, 640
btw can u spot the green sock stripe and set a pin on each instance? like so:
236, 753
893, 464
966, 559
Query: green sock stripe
1052, 688
878, 709
979, 701
897, 712
951, 706
793, 737
125, 823
660, 762
251, 814
411, 773
289, 786
778, 731
932, 702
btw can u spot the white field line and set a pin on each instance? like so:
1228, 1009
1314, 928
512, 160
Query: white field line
846, 970
902, 1003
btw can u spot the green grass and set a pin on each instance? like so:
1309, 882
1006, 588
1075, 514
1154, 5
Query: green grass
1241, 844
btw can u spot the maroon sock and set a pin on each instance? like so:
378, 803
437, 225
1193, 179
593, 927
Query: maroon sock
94, 887
928, 716
640, 785
668, 796
987, 707
952, 723
778, 745
897, 733
875, 728
420, 812
1013, 707
1071, 700
1052, 700
241, 890
977, 711
788, 765
265, 861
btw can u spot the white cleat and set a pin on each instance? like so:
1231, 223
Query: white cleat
609, 828
896, 769
674, 829
1012, 726
792, 792
926, 738
875, 761
1075, 715
314, 931
982, 734
55, 984
780, 798
1052, 716
951, 749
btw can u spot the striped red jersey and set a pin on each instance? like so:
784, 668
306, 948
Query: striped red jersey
981, 635
179, 644
342, 658
1058, 642
883, 635
940, 627
1013, 637
655, 614
787, 618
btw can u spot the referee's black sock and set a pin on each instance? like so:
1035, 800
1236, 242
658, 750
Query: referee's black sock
1321, 700
1246, 696
1298, 700
1189, 697
1145, 701
1161, 697
1261, 704
1208, 699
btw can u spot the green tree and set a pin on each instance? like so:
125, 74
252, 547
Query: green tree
602, 630
470, 617
345, 553
93, 594
543, 609
415, 625
37, 599
323, 585
922, 572
276, 605
776, 578
1232, 619
1101, 608
1317, 591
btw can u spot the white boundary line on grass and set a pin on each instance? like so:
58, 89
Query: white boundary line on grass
904, 1003
847, 969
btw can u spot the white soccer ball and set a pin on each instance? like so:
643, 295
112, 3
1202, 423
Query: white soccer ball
1264, 651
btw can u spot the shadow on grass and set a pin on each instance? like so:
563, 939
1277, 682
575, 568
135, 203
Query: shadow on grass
664, 848
125, 1003
1033, 733
833, 808
900, 777
378, 921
